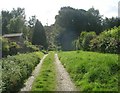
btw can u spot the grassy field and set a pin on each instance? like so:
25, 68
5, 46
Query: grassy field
92, 71
46, 80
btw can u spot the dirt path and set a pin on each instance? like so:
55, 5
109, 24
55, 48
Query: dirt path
28, 84
63, 78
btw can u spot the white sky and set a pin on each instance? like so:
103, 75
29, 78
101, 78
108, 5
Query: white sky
45, 10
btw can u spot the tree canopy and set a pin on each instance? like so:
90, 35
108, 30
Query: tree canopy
74, 21
69, 24
79, 19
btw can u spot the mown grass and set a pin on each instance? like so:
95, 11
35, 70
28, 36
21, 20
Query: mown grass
92, 71
46, 80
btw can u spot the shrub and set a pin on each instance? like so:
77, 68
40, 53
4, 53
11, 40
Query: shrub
9, 48
107, 41
87, 38
13, 48
15, 69
5, 47
29, 47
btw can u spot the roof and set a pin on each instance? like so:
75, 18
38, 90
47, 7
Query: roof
13, 35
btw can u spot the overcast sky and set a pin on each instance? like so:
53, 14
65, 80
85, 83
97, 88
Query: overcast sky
45, 10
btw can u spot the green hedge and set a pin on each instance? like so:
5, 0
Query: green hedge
15, 69
107, 41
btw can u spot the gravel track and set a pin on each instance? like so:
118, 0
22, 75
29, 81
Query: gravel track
64, 82
35, 73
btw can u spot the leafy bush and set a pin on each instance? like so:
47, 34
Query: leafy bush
107, 41
5, 46
15, 69
86, 39
29, 47
9, 48
13, 48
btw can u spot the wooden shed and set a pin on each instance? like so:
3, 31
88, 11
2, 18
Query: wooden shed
15, 37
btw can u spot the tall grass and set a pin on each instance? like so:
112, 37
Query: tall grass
92, 71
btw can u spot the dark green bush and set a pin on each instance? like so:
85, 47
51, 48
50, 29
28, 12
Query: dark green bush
13, 48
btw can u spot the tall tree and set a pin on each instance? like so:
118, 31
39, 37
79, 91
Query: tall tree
6, 16
16, 25
74, 21
18, 12
39, 36
32, 21
31, 25
13, 21
111, 22
17, 22
94, 20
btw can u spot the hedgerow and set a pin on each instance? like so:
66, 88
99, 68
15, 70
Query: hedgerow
106, 42
15, 69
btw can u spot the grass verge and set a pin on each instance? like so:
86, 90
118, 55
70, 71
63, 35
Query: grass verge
46, 80
92, 71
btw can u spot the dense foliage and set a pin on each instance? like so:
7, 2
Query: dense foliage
12, 48
15, 69
85, 38
92, 71
107, 42
15, 22
79, 19
28, 47
69, 24
73, 21
9, 48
